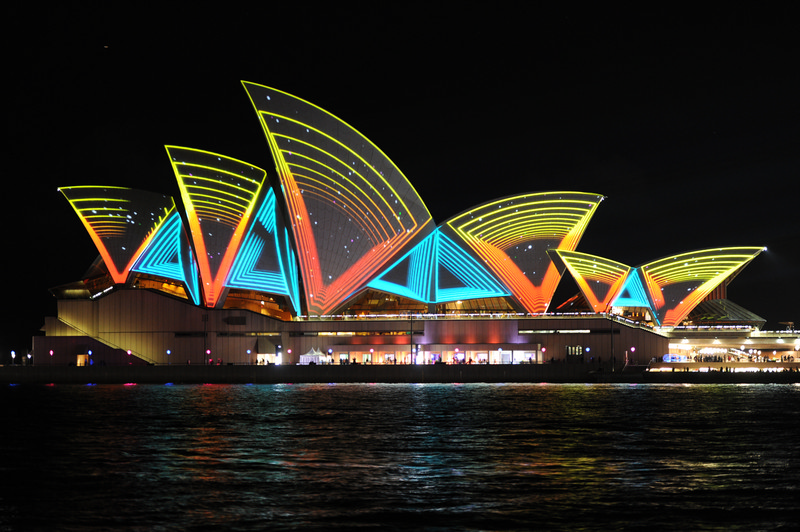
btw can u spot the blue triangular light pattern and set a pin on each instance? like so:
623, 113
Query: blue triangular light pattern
632, 293
477, 281
414, 270
260, 263
293, 277
164, 256
411, 275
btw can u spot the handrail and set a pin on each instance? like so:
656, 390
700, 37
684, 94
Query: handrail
106, 342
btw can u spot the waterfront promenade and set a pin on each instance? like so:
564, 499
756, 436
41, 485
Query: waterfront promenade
437, 373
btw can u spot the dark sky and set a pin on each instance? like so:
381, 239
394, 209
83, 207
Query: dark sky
688, 121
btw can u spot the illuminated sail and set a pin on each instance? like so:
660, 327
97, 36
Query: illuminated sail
169, 255
512, 236
121, 221
351, 210
677, 284
219, 195
600, 280
266, 261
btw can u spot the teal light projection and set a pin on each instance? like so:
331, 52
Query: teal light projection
632, 293
476, 280
351, 211
342, 216
437, 270
219, 196
411, 275
264, 261
169, 255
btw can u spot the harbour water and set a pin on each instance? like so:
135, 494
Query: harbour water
400, 456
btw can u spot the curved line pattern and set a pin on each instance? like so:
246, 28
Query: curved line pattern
121, 221
351, 214
219, 194
679, 283
530, 224
599, 279
351, 210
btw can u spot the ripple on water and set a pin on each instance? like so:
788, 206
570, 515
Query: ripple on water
399, 456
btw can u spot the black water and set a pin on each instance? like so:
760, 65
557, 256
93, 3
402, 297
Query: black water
412, 457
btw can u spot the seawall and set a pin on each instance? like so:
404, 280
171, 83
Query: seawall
439, 373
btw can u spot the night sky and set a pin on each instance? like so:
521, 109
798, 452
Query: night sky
687, 121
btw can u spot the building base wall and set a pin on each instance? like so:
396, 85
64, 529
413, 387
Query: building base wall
437, 373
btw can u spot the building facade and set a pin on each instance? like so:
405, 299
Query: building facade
332, 257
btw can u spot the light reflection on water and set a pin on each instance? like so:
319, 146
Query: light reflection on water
399, 456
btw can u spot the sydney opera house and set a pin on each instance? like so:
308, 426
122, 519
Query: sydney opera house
332, 257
